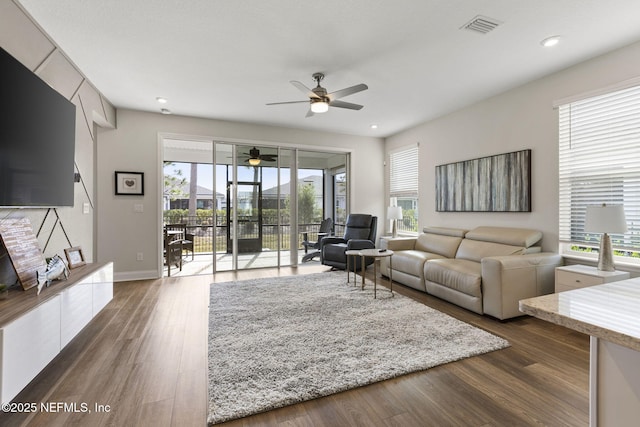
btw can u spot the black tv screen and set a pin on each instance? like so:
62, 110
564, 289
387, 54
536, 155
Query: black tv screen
37, 140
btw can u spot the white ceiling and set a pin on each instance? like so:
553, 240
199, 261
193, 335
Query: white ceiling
227, 59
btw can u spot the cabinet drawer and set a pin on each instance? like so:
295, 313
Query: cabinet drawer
574, 281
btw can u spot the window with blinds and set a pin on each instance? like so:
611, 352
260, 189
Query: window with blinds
599, 162
403, 186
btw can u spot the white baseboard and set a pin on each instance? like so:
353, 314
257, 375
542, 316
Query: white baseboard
135, 275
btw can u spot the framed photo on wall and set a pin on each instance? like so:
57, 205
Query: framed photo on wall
129, 183
75, 257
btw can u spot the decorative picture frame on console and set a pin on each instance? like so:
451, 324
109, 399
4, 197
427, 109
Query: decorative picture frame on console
23, 250
75, 257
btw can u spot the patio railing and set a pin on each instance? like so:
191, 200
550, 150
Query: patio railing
203, 232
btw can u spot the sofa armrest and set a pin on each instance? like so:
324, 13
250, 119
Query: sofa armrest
360, 244
508, 279
398, 243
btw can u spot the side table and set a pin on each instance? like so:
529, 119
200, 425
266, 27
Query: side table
377, 254
580, 276
351, 257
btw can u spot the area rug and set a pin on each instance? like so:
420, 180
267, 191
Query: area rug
278, 341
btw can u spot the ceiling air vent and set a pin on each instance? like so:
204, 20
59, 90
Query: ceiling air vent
481, 24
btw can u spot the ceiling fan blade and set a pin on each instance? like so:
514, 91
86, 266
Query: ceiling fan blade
309, 113
342, 104
302, 88
287, 102
347, 91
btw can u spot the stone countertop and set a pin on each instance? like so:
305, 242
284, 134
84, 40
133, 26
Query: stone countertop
610, 312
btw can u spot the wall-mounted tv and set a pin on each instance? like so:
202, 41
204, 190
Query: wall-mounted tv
37, 140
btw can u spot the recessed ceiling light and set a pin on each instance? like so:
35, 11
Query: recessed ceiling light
165, 111
374, 126
550, 41
161, 100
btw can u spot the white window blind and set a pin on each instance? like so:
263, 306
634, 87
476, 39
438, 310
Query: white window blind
599, 162
403, 172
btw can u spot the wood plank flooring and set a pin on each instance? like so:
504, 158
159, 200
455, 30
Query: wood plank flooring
144, 360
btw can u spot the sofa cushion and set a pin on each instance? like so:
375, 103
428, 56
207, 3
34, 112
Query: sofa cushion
359, 226
445, 231
506, 235
412, 261
438, 244
475, 250
461, 275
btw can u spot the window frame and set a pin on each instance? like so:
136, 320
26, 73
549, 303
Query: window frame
598, 140
405, 158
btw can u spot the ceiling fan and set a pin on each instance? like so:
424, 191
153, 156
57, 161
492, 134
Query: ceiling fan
255, 157
320, 100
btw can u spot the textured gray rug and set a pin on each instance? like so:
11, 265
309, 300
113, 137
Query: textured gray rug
275, 342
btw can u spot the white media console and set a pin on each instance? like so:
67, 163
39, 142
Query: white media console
35, 328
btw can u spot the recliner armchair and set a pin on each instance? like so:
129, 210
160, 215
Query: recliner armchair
360, 233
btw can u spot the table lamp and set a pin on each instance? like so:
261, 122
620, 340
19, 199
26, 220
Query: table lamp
394, 213
605, 219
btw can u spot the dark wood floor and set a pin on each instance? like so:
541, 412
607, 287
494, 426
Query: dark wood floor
143, 359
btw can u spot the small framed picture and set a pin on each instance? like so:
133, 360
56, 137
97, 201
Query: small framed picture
75, 257
130, 183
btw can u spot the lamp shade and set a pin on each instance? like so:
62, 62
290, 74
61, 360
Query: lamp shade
254, 161
605, 219
394, 212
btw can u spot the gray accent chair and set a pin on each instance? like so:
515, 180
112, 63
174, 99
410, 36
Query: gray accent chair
360, 233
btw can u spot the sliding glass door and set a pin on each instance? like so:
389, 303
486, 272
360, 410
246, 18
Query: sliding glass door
249, 206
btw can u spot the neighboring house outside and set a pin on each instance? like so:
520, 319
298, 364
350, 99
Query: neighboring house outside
204, 199
270, 195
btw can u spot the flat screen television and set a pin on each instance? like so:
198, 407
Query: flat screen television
37, 140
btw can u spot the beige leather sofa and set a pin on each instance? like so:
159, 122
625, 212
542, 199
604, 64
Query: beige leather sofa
486, 270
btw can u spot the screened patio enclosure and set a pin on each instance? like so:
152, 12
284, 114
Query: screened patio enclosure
245, 205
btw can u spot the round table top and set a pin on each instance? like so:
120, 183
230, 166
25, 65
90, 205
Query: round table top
369, 252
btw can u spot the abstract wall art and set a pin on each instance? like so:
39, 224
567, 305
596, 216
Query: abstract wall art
500, 183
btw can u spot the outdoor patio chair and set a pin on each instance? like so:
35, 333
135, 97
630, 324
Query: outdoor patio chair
172, 252
325, 230
179, 232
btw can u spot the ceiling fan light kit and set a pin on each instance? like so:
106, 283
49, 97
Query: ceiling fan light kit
319, 106
320, 100
255, 158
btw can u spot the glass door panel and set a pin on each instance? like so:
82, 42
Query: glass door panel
188, 202
339, 201
224, 260
267, 198
248, 225
282, 202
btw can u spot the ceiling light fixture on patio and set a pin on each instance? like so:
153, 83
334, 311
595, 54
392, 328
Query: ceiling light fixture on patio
254, 162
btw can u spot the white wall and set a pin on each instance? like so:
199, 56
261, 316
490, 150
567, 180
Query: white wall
134, 146
24, 40
518, 119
